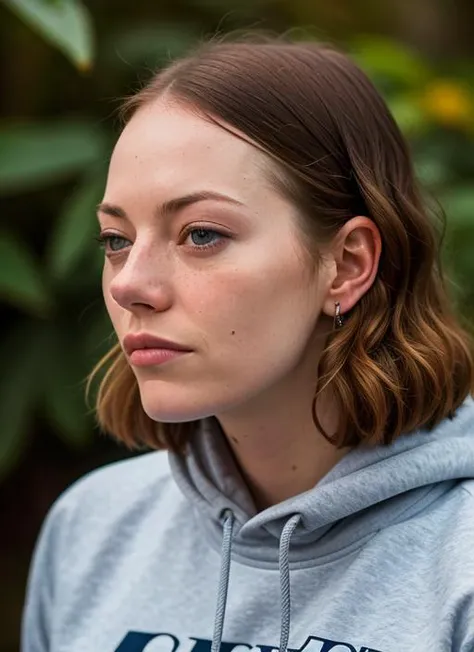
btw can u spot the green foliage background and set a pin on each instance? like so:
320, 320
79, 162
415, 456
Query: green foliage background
63, 65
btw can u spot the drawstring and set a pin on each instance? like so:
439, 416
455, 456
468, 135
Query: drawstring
223, 580
284, 564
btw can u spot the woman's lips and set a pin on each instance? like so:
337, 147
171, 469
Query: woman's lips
150, 357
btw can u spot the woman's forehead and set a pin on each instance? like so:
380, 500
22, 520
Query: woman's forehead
176, 151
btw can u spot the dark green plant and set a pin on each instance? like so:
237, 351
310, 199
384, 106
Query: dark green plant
66, 24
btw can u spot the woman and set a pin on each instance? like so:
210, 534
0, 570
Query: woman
266, 246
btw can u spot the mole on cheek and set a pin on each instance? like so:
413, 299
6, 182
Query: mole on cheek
232, 332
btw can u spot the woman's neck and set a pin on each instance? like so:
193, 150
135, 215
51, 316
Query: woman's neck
279, 450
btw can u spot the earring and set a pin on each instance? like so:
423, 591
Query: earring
338, 318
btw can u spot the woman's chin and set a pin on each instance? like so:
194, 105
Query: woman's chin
178, 414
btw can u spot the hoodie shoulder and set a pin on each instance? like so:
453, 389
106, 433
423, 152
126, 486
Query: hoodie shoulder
122, 478
103, 504
116, 487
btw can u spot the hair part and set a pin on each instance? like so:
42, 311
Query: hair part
402, 361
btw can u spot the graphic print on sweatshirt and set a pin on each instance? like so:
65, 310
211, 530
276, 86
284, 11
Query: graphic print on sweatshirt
164, 642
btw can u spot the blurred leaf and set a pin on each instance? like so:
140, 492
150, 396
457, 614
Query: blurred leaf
152, 44
380, 56
431, 172
32, 155
66, 24
63, 389
408, 114
21, 280
458, 204
75, 228
20, 353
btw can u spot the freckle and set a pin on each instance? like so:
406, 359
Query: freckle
294, 467
235, 440
233, 332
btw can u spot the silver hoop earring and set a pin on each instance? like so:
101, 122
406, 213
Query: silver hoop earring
338, 318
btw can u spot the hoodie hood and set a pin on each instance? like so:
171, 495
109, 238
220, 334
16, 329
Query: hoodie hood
367, 490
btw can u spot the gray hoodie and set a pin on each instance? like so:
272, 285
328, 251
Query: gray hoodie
162, 553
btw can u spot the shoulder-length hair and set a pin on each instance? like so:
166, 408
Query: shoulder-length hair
402, 361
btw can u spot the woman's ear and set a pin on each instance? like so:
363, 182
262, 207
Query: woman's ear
356, 251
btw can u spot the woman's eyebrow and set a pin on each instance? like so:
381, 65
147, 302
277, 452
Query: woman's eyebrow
172, 206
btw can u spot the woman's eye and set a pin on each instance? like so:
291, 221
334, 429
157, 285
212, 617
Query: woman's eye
200, 238
112, 243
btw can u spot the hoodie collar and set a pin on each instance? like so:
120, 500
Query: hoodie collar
368, 489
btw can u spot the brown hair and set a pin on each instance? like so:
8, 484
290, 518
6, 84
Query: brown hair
402, 360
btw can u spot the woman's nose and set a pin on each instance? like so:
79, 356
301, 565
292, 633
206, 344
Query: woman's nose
141, 284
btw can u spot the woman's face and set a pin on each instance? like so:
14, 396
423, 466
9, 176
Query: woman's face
236, 291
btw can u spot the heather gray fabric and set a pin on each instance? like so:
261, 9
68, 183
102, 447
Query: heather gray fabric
167, 554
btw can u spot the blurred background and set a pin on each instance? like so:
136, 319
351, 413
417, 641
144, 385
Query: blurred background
64, 64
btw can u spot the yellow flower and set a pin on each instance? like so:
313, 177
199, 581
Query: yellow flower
449, 103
